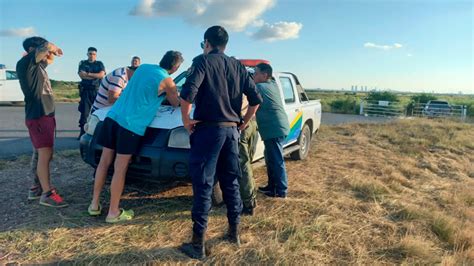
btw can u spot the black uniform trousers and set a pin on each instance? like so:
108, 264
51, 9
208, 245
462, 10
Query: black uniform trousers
214, 154
87, 95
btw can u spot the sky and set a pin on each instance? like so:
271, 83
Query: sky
405, 45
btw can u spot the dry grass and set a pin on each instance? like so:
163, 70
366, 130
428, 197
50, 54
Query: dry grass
396, 193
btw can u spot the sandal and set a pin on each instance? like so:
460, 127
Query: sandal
125, 215
94, 212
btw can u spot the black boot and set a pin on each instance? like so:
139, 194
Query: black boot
82, 132
248, 210
195, 249
233, 234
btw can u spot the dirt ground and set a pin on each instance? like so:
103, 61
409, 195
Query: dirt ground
74, 181
393, 193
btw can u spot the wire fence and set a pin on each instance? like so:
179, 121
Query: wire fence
396, 109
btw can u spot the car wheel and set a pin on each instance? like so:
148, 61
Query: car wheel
217, 198
304, 141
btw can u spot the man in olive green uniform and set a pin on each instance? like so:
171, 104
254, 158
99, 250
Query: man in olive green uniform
248, 140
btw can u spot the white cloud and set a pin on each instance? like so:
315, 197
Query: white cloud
19, 32
258, 23
279, 31
382, 47
144, 8
409, 55
234, 15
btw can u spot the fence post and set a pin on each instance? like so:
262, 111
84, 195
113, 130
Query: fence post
361, 109
464, 113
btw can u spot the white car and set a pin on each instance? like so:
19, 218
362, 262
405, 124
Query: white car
10, 90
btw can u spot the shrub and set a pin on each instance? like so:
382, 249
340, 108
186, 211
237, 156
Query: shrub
347, 105
382, 96
417, 99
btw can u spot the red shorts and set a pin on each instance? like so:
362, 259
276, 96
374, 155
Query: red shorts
42, 131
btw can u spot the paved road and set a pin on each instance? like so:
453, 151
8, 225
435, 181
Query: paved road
14, 138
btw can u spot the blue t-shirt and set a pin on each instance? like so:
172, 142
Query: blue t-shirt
137, 105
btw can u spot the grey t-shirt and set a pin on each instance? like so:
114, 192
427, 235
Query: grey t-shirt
35, 84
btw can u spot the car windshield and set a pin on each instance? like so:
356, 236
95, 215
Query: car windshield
11, 75
439, 103
180, 79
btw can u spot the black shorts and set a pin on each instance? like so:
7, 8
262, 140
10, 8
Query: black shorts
117, 138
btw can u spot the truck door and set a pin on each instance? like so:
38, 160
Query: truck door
292, 107
2, 85
12, 87
10, 90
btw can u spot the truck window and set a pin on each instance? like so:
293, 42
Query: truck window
288, 91
180, 80
11, 75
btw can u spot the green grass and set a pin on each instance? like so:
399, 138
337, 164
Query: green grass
349, 102
65, 91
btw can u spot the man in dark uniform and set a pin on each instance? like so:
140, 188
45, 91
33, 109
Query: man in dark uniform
215, 85
91, 72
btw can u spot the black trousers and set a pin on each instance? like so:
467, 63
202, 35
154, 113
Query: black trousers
214, 154
85, 104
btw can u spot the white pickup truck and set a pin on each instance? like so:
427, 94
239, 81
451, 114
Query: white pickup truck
10, 90
164, 153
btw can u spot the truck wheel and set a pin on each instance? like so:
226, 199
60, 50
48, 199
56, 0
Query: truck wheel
304, 140
217, 198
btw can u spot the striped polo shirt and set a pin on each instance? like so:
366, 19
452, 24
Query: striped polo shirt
114, 81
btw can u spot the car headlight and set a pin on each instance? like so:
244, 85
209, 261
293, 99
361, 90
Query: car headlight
179, 138
91, 124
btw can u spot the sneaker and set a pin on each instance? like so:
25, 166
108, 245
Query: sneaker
34, 192
265, 189
274, 195
52, 199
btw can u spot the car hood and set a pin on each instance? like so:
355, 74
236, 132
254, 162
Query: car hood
167, 117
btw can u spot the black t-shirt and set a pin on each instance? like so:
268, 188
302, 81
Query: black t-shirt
36, 87
215, 83
94, 67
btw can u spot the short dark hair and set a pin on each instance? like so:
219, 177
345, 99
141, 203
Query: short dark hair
171, 59
136, 57
217, 36
265, 68
33, 42
92, 49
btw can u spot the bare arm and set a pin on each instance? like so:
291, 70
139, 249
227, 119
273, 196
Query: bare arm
188, 123
169, 87
47, 52
248, 115
113, 96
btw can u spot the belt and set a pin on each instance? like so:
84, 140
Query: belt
216, 124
